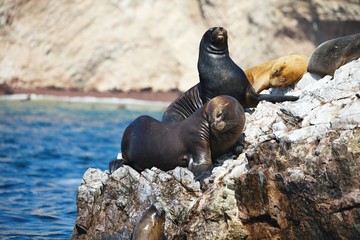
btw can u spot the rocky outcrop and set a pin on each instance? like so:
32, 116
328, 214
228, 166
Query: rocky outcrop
141, 45
297, 178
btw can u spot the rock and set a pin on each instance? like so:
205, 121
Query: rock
299, 175
133, 45
127, 193
296, 189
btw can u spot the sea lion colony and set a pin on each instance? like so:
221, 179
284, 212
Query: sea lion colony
208, 119
220, 76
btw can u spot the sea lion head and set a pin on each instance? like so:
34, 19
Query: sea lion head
151, 225
224, 113
215, 40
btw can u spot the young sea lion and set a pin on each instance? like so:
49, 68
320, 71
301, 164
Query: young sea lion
219, 75
334, 53
208, 133
150, 226
277, 73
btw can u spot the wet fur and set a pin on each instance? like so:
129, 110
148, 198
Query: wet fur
150, 226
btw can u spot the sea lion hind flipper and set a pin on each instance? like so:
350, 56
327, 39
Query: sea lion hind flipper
116, 164
277, 98
253, 98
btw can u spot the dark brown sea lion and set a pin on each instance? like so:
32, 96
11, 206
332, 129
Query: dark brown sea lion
150, 226
277, 73
219, 75
207, 134
332, 54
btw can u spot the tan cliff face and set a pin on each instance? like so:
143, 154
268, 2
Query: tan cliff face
137, 45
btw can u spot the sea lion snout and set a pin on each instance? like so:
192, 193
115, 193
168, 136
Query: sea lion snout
220, 30
219, 34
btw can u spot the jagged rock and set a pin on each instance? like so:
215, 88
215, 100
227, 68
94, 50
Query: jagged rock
299, 176
125, 194
303, 189
137, 45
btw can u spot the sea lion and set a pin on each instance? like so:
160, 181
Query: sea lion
207, 134
150, 226
334, 53
277, 73
219, 75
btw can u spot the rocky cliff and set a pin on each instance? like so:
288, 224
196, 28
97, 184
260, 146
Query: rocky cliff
140, 45
298, 177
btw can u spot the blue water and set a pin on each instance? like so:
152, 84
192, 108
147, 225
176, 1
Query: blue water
45, 148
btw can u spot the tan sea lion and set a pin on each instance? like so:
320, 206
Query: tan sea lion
194, 142
277, 73
219, 75
150, 226
332, 54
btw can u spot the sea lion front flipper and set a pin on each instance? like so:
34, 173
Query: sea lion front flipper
115, 164
251, 98
201, 165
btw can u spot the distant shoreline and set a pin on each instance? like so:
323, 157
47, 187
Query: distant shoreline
141, 95
147, 100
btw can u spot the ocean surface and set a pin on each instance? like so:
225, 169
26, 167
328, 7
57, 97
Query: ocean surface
45, 148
